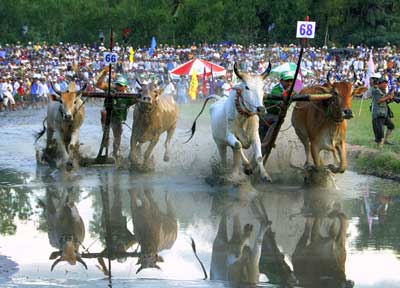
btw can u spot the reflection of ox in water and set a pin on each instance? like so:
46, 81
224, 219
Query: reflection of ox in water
155, 114
321, 125
234, 122
233, 259
66, 229
154, 230
320, 255
65, 114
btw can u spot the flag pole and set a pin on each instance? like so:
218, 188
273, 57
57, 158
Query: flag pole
362, 101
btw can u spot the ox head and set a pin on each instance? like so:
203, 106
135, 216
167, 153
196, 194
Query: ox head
340, 105
149, 261
70, 100
150, 95
252, 89
68, 253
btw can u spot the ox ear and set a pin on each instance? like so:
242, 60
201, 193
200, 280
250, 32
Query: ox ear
360, 90
266, 72
237, 72
54, 255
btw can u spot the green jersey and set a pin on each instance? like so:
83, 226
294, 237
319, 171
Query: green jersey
268, 103
120, 107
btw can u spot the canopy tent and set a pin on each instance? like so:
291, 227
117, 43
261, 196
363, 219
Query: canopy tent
198, 66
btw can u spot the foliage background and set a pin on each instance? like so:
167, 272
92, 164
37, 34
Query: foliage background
371, 22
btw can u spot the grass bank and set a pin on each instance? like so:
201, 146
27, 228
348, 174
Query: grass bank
384, 162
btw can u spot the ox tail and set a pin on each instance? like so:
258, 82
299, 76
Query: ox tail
193, 129
198, 259
40, 134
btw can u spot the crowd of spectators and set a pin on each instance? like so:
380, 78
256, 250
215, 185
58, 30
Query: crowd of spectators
27, 70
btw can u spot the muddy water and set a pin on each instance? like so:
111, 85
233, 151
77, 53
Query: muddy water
26, 236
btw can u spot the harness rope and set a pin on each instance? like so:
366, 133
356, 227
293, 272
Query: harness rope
239, 102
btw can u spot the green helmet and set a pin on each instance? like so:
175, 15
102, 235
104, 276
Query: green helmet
120, 80
287, 75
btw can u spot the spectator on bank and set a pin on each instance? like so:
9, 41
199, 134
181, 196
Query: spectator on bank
182, 87
380, 112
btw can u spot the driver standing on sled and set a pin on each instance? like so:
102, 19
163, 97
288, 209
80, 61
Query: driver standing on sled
268, 121
120, 107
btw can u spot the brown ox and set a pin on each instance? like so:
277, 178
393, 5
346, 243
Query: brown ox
154, 230
155, 114
65, 114
321, 125
320, 255
66, 229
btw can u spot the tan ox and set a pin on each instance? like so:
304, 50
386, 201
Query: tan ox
321, 125
65, 114
320, 255
66, 229
155, 114
154, 230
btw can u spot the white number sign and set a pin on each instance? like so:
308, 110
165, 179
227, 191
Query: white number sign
305, 29
110, 58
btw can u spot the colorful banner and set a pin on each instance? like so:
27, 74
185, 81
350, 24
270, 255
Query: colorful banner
131, 55
371, 69
204, 87
152, 46
194, 83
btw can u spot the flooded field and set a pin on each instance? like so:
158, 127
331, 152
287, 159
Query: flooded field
31, 196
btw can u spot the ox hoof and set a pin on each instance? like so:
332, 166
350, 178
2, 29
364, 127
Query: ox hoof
166, 158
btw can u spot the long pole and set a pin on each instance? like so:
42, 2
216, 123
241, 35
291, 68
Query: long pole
109, 107
106, 212
267, 147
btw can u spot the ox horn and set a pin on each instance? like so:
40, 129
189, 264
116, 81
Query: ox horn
55, 263
266, 72
237, 72
58, 92
140, 84
80, 260
83, 88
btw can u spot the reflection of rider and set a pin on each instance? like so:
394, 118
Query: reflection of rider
121, 237
380, 207
120, 107
270, 119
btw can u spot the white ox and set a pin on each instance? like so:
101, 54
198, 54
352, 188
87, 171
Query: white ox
65, 114
234, 121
